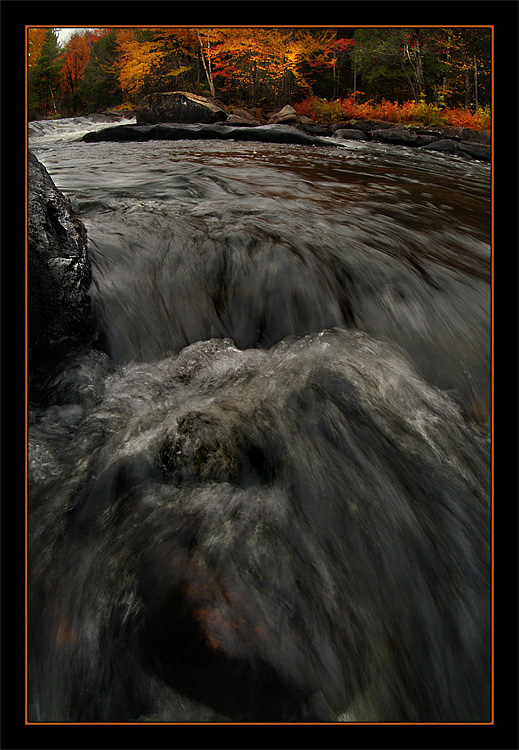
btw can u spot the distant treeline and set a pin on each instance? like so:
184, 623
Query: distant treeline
259, 68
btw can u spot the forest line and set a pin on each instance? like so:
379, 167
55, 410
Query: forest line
427, 75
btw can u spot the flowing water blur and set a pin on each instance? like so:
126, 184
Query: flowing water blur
191, 240
236, 479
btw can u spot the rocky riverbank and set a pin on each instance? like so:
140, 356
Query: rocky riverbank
450, 140
181, 115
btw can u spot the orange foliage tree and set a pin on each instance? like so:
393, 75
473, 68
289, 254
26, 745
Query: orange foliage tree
35, 39
244, 63
266, 67
75, 58
154, 59
273, 62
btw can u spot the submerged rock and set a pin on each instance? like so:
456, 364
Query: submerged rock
280, 535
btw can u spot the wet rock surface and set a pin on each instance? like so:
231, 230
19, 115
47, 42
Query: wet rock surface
179, 106
174, 131
59, 271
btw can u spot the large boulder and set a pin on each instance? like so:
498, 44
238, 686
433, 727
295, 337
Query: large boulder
59, 272
179, 106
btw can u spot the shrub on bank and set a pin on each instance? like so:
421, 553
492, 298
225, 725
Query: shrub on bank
408, 113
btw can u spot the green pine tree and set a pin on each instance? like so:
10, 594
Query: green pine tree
44, 78
100, 87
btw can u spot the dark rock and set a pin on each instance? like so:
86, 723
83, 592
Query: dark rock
465, 134
369, 124
59, 272
350, 134
401, 137
300, 133
170, 131
475, 150
166, 131
313, 128
447, 145
342, 125
179, 106
462, 148
477, 136
117, 115
275, 134
120, 133
449, 131
419, 130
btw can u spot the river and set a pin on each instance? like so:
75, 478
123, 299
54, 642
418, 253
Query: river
291, 332
392, 241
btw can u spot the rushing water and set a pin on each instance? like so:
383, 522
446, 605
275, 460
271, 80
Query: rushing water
252, 444
264, 241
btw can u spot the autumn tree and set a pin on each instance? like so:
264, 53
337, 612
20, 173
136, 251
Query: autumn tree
35, 40
469, 61
45, 73
258, 67
152, 60
100, 87
249, 64
206, 52
329, 64
74, 61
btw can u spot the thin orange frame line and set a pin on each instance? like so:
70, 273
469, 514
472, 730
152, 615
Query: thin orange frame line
370, 26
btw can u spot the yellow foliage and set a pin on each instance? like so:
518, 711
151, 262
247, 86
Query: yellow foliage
35, 39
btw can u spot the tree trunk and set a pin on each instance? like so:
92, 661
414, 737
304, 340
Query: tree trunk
467, 88
53, 99
476, 81
334, 95
419, 73
207, 65
198, 74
